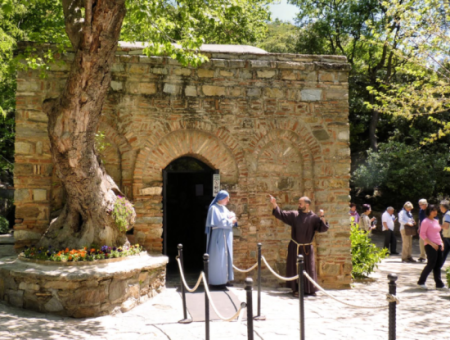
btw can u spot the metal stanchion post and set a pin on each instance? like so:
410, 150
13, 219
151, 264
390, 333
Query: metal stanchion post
301, 292
248, 288
205, 269
392, 306
259, 316
183, 289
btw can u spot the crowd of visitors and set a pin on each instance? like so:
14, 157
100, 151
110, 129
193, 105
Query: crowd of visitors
434, 236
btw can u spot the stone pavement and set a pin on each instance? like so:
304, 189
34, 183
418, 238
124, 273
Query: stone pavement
420, 315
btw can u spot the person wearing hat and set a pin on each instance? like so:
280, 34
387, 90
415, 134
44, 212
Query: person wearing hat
219, 241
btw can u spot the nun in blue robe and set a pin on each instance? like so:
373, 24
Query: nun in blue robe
219, 244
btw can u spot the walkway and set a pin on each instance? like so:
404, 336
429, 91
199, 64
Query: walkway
421, 315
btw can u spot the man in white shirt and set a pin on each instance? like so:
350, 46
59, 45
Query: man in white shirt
387, 220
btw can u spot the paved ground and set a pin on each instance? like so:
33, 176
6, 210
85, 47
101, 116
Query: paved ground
421, 315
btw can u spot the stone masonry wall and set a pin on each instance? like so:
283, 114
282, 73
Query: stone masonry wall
271, 123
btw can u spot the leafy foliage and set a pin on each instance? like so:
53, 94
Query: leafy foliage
425, 46
122, 213
405, 172
4, 225
365, 255
178, 29
281, 38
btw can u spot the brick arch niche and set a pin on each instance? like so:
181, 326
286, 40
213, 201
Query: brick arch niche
148, 176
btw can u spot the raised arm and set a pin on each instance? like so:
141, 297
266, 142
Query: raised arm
287, 217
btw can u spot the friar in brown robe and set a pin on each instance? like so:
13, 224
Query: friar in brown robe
304, 224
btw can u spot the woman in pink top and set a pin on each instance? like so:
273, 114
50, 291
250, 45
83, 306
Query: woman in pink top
430, 233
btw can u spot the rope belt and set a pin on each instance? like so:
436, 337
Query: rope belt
302, 244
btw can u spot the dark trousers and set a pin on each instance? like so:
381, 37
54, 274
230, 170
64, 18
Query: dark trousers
434, 264
446, 249
390, 239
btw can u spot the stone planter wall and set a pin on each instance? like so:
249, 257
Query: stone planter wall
82, 291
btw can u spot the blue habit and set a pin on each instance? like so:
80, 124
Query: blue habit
219, 229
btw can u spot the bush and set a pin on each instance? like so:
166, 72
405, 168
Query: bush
365, 255
4, 225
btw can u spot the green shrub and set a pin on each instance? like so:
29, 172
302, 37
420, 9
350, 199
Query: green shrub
448, 276
365, 254
4, 225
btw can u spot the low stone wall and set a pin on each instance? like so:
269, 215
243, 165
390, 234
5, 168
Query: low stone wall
82, 291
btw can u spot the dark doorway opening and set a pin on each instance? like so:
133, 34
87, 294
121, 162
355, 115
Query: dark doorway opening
187, 193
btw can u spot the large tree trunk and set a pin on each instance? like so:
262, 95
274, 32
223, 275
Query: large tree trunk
73, 121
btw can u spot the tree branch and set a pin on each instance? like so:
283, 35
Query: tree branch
73, 18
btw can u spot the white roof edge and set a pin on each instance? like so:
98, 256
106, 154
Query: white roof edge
205, 47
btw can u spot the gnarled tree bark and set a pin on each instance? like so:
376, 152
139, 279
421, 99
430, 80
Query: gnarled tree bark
73, 119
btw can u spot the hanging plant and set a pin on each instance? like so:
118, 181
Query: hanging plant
123, 213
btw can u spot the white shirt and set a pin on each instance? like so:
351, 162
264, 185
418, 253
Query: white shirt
388, 219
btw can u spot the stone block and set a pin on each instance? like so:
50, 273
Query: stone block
288, 75
321, 134
260, 64
116, 85
138, 68
266, 74
159, 71
117, 290
117, 67
26, 235
151, 191
171, 89
209, 90
224, 73
28, 86
63, 285
182, 72
326, 77
205, 73
23, 148
147, 88
331, 269
53, 305
149, 220
37, 116
344, 135
190, 91
39, 148
311, 95
254, 92
15, 297
28, 286
21, 195
31, 131
39, 195
274, 92
337, 94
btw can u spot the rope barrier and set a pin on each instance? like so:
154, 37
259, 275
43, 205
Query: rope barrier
200, 278
246, 270
191, 290
212, 303
277, 275
390, 298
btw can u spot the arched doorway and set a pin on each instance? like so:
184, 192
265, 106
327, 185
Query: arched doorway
187, 193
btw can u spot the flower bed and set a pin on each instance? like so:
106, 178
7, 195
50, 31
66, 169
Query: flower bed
87, 254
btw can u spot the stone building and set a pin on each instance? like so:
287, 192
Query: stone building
265, 123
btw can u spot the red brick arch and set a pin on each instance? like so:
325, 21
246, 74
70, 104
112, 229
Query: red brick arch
204, 141
300, 138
